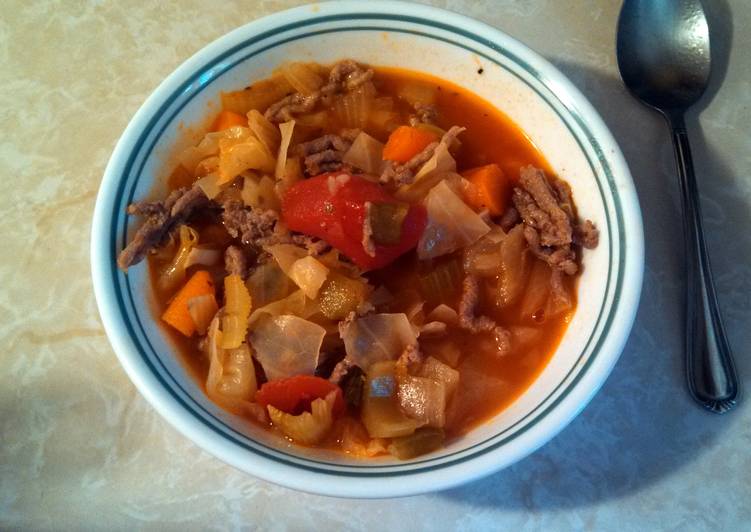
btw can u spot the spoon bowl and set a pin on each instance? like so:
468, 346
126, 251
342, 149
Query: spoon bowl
663, 52
664, 58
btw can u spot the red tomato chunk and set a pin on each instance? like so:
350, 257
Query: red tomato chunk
332, 207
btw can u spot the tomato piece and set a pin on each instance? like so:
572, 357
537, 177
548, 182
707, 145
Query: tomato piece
332, 207
293, 395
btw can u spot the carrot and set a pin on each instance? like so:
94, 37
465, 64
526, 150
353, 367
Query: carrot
405, 142
177, 313
228, 119
490, 189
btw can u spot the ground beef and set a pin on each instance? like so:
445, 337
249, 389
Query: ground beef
340, 370
344, 76
538, 205
424, 114
558, 292
509, 219
347, 75
469, 321
561, 258
547, 211
314, 246
285, 109
235, 261
161, 218
323, 154
586, 235
404, 174
410, 357
251, 226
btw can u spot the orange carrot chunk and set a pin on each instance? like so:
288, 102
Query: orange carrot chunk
490, 189
405, 142
177, 313
228, 119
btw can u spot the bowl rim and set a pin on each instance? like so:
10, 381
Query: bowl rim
409, 483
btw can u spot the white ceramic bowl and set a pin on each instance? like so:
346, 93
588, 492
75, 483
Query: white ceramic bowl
557, 118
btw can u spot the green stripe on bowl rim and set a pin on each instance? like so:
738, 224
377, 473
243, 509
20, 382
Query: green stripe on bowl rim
211, 71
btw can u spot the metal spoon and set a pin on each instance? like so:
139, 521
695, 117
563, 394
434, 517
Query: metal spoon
664, 59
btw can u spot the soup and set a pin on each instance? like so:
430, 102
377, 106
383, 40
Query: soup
365, 259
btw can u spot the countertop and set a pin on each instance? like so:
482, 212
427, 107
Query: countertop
80, 448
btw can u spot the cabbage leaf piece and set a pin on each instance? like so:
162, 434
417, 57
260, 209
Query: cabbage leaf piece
287, 345
451, 225
376, 338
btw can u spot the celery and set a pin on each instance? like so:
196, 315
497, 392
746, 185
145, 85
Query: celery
386, 220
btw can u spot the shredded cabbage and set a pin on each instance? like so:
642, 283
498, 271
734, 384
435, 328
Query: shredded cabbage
286, 255
231, 380
264, 130
353, 108
307, 428
286, 130
376, 338
514, 267
484, 256
287, 345
207, 166
193, 155
210, 185
175, 272
440, 163
296, 303
203, 256
267, 283
303, 78
417, 93
366, 153
259, 192
451, 225
240, 150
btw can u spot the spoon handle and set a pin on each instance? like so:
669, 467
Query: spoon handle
710, 371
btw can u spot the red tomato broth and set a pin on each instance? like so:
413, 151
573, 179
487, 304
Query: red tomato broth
488, 383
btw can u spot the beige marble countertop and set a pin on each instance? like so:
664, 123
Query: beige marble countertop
79, 447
